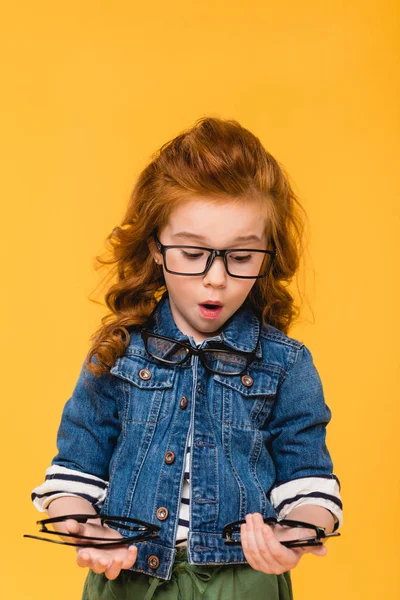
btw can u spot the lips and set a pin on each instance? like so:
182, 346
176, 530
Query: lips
211, 303
211, 309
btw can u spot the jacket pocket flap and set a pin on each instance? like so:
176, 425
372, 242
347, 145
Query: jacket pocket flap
142, 373
265, 382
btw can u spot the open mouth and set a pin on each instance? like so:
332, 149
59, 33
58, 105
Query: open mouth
209, 310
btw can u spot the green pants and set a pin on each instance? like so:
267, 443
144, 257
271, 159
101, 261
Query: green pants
191, 582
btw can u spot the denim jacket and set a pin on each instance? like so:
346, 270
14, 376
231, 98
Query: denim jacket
258, 442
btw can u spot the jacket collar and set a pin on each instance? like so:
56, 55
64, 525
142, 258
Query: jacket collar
240, 332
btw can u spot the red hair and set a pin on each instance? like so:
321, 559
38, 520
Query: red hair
218, 159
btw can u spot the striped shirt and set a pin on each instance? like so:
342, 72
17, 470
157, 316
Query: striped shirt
183, 519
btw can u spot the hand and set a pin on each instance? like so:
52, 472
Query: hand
109, 561
265, 553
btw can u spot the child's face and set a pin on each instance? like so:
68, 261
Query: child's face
218, 226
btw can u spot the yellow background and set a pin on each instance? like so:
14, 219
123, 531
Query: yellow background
89, 91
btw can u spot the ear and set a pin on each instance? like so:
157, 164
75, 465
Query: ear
157, 256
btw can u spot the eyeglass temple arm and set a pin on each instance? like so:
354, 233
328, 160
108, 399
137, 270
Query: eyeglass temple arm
320, 531
113, 520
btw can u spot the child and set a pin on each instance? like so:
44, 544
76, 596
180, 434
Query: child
159, 429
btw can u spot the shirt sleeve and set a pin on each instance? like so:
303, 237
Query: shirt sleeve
86, 439
304, 469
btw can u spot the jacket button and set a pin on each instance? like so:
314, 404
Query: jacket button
183, 402
153, 561
162, 513
247, 380
144, 374
169, 457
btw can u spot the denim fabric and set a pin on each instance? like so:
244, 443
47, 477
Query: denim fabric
247, 439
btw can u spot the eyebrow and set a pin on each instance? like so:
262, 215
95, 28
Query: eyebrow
195, 236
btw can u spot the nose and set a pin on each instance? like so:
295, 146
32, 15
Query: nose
216, 274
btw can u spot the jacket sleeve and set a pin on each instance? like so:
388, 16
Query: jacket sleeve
304, 469
86, 439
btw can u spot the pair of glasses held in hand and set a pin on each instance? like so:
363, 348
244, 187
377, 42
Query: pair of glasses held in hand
144, 531
231, 533
141, 530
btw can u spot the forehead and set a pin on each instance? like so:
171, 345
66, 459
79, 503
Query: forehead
217, 221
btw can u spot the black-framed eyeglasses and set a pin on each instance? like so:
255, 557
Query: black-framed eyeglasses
142, 531
231, 533
216, 359
246, 263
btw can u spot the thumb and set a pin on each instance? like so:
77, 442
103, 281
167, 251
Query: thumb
319, 550
73, 526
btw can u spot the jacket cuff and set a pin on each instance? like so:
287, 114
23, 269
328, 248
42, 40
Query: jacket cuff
61, 481
320, 491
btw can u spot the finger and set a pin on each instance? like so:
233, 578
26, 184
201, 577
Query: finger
249, 543
86, 557
246, 536
280, 555
130, 557
299, 551
317, 550
101, 563
264, 536
114, 570
73, 526
244, 540
94, 562
83, 558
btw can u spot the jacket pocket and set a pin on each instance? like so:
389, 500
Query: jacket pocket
237, 404
148, 393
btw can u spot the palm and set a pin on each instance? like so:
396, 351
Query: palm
102, 560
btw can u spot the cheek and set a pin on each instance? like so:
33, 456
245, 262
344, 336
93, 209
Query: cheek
245, 287
178, 285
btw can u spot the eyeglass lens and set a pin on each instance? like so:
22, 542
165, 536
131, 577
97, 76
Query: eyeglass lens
189, 260
216, 360
138, 530
289, 533
222, 362
166, 350
285, 533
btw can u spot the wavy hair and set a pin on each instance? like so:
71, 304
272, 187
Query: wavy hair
218, 159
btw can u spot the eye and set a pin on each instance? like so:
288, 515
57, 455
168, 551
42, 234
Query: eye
191, 255
241, 257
